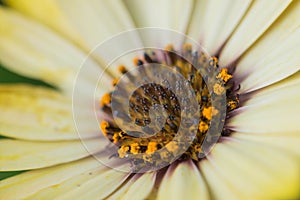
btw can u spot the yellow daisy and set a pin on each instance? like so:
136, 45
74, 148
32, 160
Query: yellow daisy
255, 46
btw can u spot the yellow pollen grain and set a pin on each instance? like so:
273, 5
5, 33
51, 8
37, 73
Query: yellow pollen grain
169, 47
120, 134
135, 61
209, 112
218, 89
164, 154
224, 76
213, 61
105, 100
115, 138
179, 63
172, 146
115, 82
187, 47
103, 126
123, 151
122, 69
232, 104
151, 148
203, 127
134, 148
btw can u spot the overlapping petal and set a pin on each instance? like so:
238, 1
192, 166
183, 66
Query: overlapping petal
242, 169
183, 181
256, 21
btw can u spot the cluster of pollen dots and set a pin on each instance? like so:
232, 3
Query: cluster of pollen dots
147, 95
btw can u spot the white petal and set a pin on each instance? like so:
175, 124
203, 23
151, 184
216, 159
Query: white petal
219, 187
254, 170
40, 11
96, 183
86, 24
256, 21
169, 14
197, 20
138, 187
216, 21
33, 50
28, 183
287, 23
283, 87
284, 32
277, 111
82, 22
286, 141
183, 182
36, 113
23, 155
277, 64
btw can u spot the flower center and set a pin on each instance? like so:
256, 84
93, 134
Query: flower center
145, 148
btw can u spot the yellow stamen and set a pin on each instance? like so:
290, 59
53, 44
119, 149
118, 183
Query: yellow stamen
152, 147
106, 99
122, 69
123, 151
103, 126
135, 61
224, 76
203, 127
172, 146
169, 47
232, 104
218, 89
134, 148
116, 138
187, 47
213, 61
115, 82
209, 112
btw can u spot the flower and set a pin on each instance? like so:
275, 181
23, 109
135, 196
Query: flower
48, 40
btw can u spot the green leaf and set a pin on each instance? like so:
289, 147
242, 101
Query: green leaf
4, 175
7, 76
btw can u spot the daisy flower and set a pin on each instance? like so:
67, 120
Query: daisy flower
253, 148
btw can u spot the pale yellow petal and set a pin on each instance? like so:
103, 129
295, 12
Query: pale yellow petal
287, 141
138, 187
37, 113
253, 170
98, 187
256, 21
96, 183
183, 182
196, 24
33, 50
213, 25
40, 10
282, 31
279, 63
168, 14
87, 24
23, 155
276, 111
219, 187
29, 183
80, 21
283, 87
